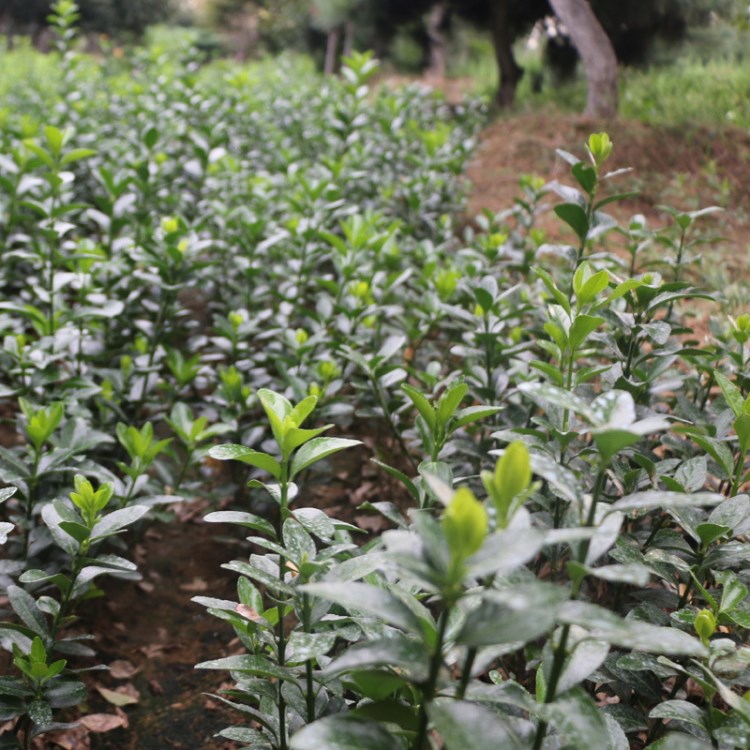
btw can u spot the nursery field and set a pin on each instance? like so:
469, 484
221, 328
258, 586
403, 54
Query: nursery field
298, 452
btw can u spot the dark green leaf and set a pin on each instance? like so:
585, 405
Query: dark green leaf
368, 599
578, 719
575, 217
232, 452
469, 726
342, 733
316, 450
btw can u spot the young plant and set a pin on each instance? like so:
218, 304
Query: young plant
281, 637
45, 683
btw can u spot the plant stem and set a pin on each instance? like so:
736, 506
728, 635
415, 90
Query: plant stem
737, 478
153, 345
26, 733
658, 727
31, 499
429, 691
280, 632
310, 686
558, 661
471, 655
183, 471
391, 424
557, 667
680, 250
569, 388
632, 346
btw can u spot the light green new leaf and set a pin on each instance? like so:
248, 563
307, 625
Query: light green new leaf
464, 524
449, 402
732, 394
277, 408
422, 404
583, 326
303, 410
592, 287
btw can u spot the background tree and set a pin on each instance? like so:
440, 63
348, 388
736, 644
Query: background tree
597, 53
23, 17
336, 19
266, 26
112, 17
506, 20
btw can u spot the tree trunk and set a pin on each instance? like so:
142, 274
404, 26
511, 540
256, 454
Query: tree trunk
597, 54
6, 23
435, 21
331, 50
349, 29
502, 38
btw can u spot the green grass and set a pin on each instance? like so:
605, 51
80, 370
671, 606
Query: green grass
24, 66
694, 91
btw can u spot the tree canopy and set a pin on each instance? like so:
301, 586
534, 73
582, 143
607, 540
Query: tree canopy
106, 16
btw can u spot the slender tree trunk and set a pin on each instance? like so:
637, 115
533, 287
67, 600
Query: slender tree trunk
349, 29
597, 54
502, 38
334, 35
435, 21
6, 21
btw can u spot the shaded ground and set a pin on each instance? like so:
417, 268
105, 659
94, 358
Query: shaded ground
155, 634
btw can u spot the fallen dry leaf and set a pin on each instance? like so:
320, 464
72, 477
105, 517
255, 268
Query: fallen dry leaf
102, 722
156, 687
146, 586
123, 716
76, 738
126, 695
197, 585
122, 669
371, 523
